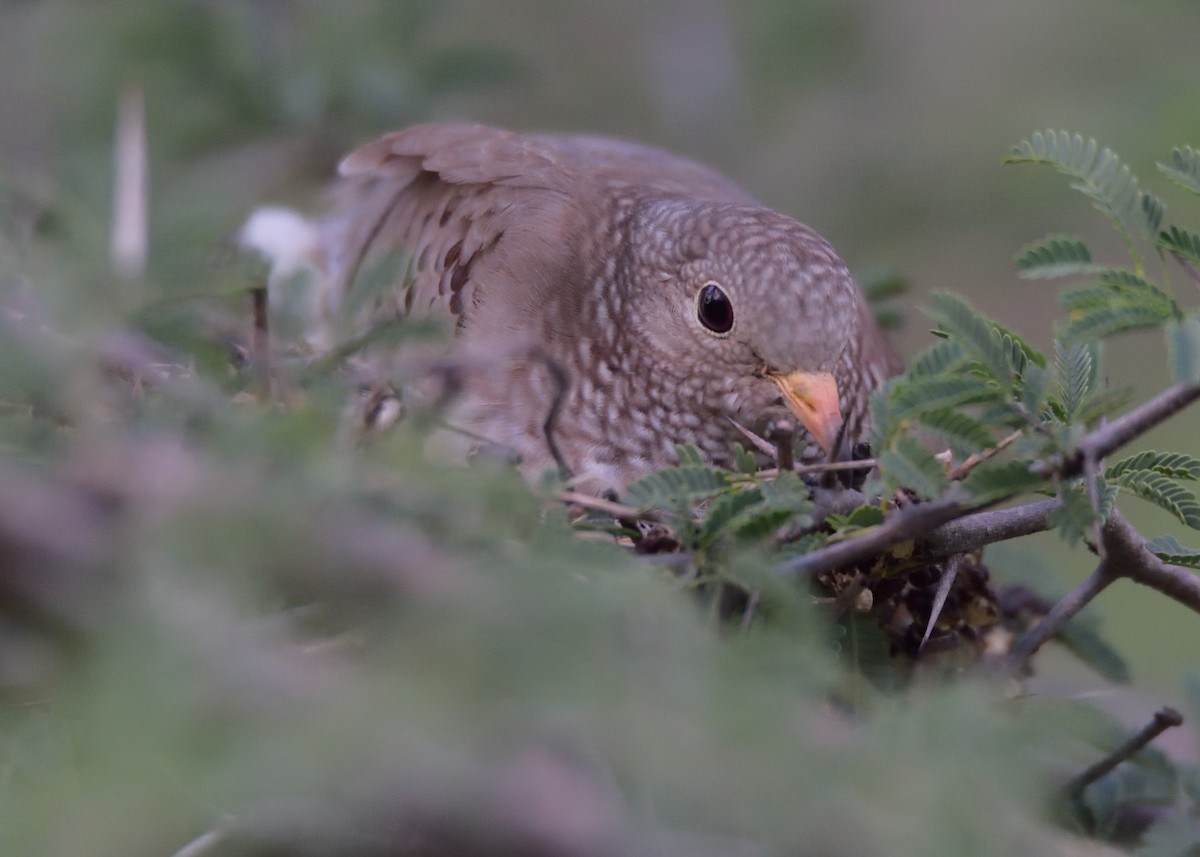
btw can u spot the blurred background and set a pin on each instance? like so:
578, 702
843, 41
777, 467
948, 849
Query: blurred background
881, 124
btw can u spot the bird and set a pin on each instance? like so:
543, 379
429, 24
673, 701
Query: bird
613, 300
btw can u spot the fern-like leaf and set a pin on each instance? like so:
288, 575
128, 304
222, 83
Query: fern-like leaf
724, 509
997, 480
1175, 465
787, 491
1035, 386
1099, 174
1184, 168
945, 355
1055, 256
1103, 403
1165, 493
1092, 321
915, 397
1075, 367
1075, 517
975, 334
964, 435
907, 464
1181, 243
1116, 286
1168, 549
1183, 349
675, 485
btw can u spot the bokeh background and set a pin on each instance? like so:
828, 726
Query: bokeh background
882, 124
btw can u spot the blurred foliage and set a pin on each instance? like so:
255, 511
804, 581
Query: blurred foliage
229, 619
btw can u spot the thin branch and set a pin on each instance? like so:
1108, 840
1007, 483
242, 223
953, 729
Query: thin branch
904, 525
607, 507
782, 432
978, 458
1139, 565
1131, 424
1164, 719
977, 530
261, 338
1060, 614
1125, 556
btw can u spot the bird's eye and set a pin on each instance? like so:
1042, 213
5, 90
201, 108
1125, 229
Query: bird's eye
714, 309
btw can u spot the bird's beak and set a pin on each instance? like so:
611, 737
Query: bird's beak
813, 398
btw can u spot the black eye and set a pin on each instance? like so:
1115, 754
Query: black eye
714, 309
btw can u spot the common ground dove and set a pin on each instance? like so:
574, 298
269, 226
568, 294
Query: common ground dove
650, 298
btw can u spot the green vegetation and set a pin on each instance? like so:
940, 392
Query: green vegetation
232, 623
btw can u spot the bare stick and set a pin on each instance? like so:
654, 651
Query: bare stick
261, 342
906, 524
978, 458
974, 531
1164, 719
608, 507
1112, 436
783, 431
1139, 565
1060, 614
1125, 556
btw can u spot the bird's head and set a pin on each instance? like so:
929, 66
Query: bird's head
753, 306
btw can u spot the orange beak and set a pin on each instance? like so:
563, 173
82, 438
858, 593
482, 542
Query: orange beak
813, 398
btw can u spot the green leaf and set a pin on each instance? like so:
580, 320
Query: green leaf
1075, 517
1075, 370
1122, 301
1181, 243
908, 464
914, 397
744, 461
867, 515
1055, 256
1175, 465
1102, 403
724, 509
943, 356
1183, 350
787, 491
978, 336
1035, 386
675, 485
996, 480
761, 523
1095, 313
689, 455
963, 434
1020, 352
1097, 173
1168, 549
1165, 493
1184, 168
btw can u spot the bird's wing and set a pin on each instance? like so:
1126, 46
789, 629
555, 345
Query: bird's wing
458, 199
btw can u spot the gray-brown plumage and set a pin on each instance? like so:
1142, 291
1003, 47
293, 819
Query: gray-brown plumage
623, 266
